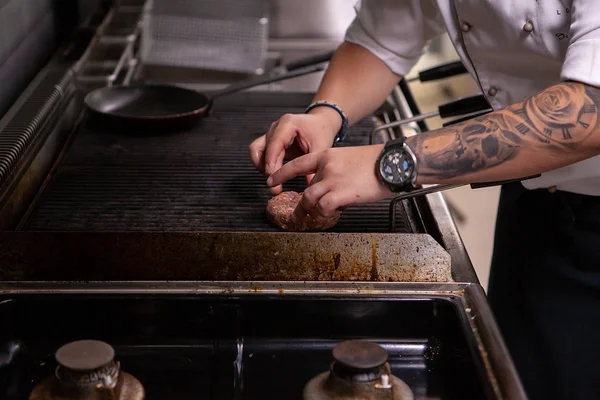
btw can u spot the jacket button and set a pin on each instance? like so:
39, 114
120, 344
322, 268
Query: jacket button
528, 27
465, 27
492, 91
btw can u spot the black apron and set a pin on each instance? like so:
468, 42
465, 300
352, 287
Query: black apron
544, 290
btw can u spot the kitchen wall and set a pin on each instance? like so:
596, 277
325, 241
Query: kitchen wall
310, 19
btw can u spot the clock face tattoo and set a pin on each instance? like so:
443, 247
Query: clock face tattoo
563, 115
558, 119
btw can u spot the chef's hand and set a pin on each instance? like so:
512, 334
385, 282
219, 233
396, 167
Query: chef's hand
343, 176
292, 136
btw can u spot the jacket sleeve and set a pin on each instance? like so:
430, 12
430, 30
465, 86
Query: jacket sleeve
582, 61
396, 31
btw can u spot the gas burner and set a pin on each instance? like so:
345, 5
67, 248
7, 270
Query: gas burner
359, 371
87, 370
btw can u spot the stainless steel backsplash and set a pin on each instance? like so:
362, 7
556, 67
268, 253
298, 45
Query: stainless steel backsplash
310, 19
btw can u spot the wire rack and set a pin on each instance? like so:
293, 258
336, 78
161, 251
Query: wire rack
224, 35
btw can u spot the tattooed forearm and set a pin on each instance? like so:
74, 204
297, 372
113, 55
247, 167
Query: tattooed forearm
557, 119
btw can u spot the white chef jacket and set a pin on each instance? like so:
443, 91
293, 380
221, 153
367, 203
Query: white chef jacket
513, 48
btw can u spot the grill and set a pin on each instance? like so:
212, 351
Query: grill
196, 180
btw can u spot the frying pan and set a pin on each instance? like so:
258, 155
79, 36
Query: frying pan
151, 107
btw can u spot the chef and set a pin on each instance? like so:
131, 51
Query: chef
538, 63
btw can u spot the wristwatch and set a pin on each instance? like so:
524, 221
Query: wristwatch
397, 166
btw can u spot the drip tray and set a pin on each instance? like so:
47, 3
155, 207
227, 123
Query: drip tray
184, 347
230, 256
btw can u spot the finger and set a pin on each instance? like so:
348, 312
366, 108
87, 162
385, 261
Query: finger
256, 151
280, 137
299, 214
276, 189
330, 204
269, 137
301, 166
307, 203
311, 197
279, 163
312, 179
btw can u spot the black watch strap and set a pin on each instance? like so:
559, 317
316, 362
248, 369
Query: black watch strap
344, 129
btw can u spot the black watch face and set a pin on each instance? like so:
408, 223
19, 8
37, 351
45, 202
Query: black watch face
396, 167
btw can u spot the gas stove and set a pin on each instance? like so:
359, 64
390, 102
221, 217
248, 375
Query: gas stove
282, 341
87, 369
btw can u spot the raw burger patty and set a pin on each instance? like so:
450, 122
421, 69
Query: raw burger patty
281, 207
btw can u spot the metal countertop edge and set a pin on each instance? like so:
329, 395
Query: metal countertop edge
503, 375
333, 288
462, 268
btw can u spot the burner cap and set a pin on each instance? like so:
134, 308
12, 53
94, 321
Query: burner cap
359, 354
85, 355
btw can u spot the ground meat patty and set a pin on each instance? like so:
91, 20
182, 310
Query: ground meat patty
281, 207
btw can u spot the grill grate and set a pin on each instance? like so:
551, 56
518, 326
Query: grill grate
198, 180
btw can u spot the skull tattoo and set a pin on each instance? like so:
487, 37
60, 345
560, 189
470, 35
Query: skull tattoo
471, 146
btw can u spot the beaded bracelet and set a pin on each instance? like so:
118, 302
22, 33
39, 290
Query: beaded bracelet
342, 132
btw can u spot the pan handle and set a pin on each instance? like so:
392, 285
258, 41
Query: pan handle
442, 71
438, 188
464, 105
446, 186
308, 61
247, 84
480, 185
466, 118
